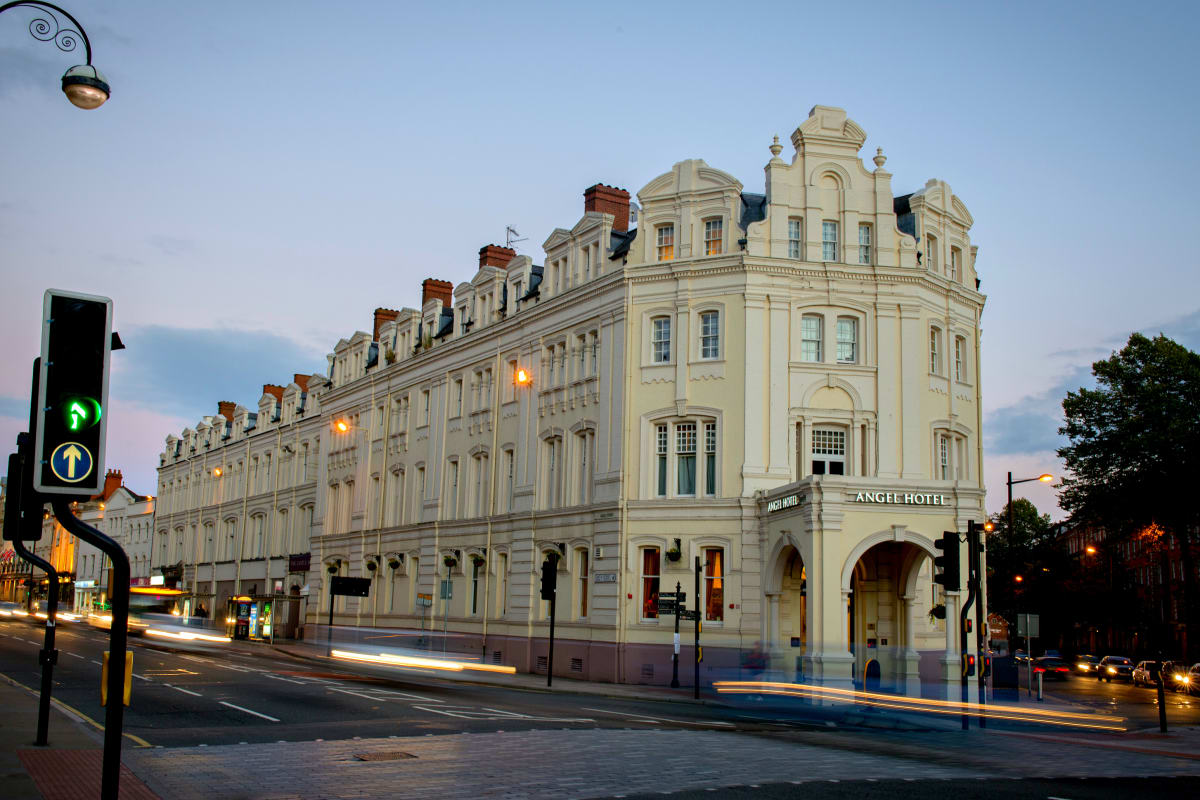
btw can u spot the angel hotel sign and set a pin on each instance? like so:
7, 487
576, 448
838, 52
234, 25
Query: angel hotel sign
903, 498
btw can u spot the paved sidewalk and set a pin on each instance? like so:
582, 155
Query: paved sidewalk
68, 768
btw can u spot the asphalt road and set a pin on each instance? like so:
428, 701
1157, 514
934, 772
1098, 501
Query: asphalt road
1138, 704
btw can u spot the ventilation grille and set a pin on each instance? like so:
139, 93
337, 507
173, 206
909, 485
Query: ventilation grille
576, 665
497, 657
647, 672
541, 664
598, 553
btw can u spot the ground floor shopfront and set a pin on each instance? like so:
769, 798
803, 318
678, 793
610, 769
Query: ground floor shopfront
826, 580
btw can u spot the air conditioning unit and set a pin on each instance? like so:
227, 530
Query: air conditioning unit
598, 553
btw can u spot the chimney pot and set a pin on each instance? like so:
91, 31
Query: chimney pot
433, 289
382, 316
493, 255
608, 200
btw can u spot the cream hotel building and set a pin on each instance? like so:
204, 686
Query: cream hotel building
782, 387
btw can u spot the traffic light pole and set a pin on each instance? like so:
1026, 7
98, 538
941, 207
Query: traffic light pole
114, 712
49, 656
675, 654
550, 650
975, 549
962, 646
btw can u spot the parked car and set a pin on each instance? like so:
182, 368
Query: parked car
1192, 682
1115, 668
1051, 668
1087, 665
1175, 676
1145, 674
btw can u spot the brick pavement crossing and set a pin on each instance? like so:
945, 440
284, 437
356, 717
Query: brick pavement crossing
598, 763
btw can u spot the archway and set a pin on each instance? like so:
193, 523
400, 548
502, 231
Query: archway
886, 597
787, 596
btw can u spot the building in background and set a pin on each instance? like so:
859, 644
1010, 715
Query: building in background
124, 516
774, 397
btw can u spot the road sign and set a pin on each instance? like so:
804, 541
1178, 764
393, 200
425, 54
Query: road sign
72, 462
424, 599
1028, 625
667, 606
689, 615
351, 587
680, 596
72, 393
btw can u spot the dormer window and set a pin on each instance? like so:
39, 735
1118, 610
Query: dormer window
713, 233
665, 242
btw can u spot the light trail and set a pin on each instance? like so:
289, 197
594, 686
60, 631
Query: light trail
922, 705
415, 662
188, 636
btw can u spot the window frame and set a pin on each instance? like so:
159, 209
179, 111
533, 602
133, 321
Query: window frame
714, 245
864, 248
664, 241
853, 342
837, 433
648, 606
819, 319
829, 245
709, 337
795, 243
714, 581
936, 352
660, 348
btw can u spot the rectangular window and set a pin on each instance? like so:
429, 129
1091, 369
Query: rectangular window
794, 238
685, 452
452, 491
660, 341
660, 449
828, 451
712, 237
665, 242
944, 457
960, 359
955, 273
710, 459
714, 584
585, 440
829, 241
583, 583
510, 387
458, 397
935, 351
864, 244
847, 340
509, 469
593, 348
931, 252
710, 335
425, 406
810, 338
475, 565
550, 361
502, 585
552, 473
650, 574
587, 262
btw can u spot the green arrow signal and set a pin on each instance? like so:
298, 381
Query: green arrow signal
81, 412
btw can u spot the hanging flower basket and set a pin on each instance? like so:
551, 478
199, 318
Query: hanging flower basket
673, 554
477, 559
937, 612
450, 561
394, 563
371, 565
332, 569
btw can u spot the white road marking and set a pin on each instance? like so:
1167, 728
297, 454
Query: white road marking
76, 655
279, 678
410, 696
142, 677
97, 663
181, 689
467, 712
248, 711
356, 694
661, 719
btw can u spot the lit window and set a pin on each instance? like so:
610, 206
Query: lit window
864, 244
935, 351
661, 340
794, 238
714, 584
710, 459
828, 451
847, 340
710, 335
666, 242
712, 237
829, 241
650, 575
810, 337
583, 582
660, 449
685, 452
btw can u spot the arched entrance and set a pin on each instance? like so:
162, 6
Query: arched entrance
787, 596
886, 615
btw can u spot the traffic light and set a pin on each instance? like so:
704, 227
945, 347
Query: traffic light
969, 665
72, 393
946, 566
549, 576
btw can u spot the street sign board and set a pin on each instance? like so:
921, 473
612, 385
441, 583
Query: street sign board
689, 615
680, 596
424, 599
1028, 625
350, 587
446, 591
72, 400
667, 606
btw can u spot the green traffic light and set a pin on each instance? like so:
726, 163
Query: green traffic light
80, 413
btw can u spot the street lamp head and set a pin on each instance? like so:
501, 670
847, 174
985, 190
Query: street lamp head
1018, 579
523, 377
85, 87
341, 425
1046, 477
1090, 550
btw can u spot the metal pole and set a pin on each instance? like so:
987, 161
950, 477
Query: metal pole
48, 657
1162, 700
975, 573
329, 630
675, 655
1040, 698
87, 44
114, 712
962, 646
699, 616
553, 603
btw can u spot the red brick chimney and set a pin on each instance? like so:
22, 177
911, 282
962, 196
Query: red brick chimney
433, 289
301, 381
225, 409
274, 391
608, 200
493, 255
112, 482
383, 315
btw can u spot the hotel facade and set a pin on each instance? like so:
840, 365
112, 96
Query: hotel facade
780, 390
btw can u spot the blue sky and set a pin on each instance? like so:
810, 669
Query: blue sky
268, 173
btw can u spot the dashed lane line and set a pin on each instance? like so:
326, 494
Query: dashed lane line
273, 676
248, 711
358, 694
663, 719
76, 655
181, 689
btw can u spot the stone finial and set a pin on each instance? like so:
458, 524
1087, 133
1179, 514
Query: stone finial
776, 148
880, 159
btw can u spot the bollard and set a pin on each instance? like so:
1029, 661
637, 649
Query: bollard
1040, 698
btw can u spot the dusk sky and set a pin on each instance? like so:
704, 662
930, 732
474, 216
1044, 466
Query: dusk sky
266, 174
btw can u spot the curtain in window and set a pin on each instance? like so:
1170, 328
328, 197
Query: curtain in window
650, 566
714, 585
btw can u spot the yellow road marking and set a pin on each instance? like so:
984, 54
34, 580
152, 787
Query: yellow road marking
139, 741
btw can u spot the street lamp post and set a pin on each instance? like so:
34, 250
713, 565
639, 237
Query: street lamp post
1044, 478
83, 84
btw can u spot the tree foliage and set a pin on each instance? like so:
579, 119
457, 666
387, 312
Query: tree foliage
1133, 460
